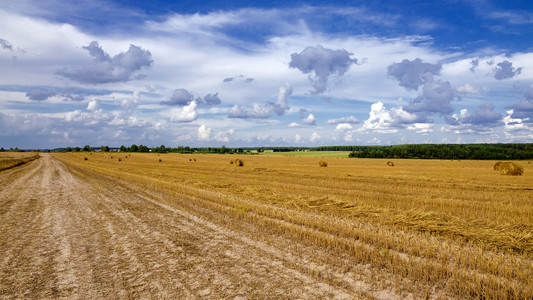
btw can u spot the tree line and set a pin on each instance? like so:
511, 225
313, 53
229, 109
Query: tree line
447, 151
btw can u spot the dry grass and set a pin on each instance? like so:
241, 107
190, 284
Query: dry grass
12, 159
456, 227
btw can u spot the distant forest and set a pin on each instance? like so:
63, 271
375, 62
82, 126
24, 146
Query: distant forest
445, 151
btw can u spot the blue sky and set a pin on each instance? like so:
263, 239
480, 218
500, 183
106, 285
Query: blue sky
252, 73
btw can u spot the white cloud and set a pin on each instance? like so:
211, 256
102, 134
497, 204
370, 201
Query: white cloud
309, 120
186, 113
294, 125
93, 105
344, 127
421, 128
204, 133
314, 137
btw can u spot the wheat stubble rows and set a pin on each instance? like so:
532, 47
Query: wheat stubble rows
276, 228
62, 236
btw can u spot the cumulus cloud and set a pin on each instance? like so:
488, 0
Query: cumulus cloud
180, 97
382, 120
257, 112
349, 119
436, 97
106, 69
209, 99
505, 70
421, 128
410, 74
512, 124
285, 91
294, 125
40, 95
343, 127
309, 120
6, 44
321, 63
186, 113
204, 133
93, 105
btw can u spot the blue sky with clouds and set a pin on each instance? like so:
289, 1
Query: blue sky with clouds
246, 73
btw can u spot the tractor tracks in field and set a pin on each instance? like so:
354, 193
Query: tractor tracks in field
65, 233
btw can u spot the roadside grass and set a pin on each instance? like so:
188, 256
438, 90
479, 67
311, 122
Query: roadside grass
457, 226
12, 159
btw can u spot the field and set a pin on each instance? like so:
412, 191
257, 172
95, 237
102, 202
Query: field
115, 225
13, 159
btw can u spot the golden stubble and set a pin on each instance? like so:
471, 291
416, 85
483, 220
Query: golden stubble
455, 226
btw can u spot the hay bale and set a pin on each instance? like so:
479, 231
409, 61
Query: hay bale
390, 164
85, 158
511, 168
119, 159
160, 160
239, 162
498, 165
194, 159
231, 162
323, 163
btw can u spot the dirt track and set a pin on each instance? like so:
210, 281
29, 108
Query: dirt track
66, 236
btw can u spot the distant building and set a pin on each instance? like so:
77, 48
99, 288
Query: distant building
253, 151
268, 151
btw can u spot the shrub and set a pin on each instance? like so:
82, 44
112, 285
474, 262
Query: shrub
323, 163
511, 168
239, 162
390, 163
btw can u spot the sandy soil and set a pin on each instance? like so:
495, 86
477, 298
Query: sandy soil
65, 236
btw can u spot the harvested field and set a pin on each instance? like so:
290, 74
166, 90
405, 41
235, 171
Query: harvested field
278, 227
13, 159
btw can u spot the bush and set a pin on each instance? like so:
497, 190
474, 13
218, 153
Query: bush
239, 162
323, 163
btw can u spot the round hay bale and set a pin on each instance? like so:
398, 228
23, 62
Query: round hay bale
511, 168
498, 165
239, 162
231, 162
119, 159
390, 164
160, 160
85, 158
322, 163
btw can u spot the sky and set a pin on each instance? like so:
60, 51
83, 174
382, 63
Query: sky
264, 73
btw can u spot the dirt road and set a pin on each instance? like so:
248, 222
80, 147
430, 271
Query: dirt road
66, 236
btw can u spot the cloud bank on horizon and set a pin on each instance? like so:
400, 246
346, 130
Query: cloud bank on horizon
301, 74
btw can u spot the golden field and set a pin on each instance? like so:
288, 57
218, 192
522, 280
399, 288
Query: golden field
12, 159
422, 227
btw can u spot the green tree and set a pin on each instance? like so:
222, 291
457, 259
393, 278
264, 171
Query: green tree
87, 148
123, 148
134, 148
68, 149
77, 149
223, 150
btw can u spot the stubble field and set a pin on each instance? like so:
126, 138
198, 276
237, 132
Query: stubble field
195, 226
